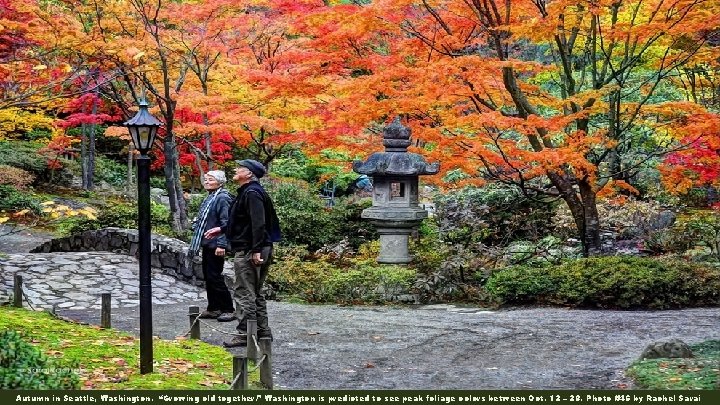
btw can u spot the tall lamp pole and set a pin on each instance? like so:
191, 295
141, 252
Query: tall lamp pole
143, 128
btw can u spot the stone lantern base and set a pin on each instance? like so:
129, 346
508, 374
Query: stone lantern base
394, 226
394, 245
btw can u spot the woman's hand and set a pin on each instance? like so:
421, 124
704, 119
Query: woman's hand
212, 232
219, 251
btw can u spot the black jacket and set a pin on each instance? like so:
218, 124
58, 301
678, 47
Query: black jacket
253, 222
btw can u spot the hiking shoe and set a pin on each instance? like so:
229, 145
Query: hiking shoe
209, 314
226, 317
236, 341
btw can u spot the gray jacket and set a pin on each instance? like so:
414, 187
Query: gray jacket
218, 217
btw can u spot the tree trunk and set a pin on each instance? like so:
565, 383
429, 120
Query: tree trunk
178, 208
592, 244
198, 163
129, 185
207, 136
585, 214
583, 207
90, 183
84, 156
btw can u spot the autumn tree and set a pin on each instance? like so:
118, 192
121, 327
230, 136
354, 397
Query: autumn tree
86, 112
140, 46
562, 99
35, 41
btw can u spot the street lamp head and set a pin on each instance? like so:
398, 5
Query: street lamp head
143, 128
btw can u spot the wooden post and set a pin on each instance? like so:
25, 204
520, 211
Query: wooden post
105, 311
193, 313
17, 292
251, 339
240, 367
266, 378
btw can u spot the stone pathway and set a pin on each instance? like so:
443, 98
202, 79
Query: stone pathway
76, 280
331, 347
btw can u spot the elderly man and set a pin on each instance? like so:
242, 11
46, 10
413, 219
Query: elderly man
252, 228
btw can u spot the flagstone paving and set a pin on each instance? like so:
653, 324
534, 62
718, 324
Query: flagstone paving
76, 280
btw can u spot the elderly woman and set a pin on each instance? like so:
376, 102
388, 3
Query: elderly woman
213, 215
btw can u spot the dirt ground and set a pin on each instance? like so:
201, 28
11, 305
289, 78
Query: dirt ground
447, 347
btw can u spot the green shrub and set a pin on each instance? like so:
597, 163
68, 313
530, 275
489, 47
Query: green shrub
13, 200
493, 215
110, 171
23, 155
305, 220
705, 229
627, 219
157, 182
23, 366
549, 249
118, 215
296, 275
347, 214
610, 282
27, 156
451, 273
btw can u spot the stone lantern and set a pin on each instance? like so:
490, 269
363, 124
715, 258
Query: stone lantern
395, 210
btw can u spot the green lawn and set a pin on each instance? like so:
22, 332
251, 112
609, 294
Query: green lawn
109, 359
700, 372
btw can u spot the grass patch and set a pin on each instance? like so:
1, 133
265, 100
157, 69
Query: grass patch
701, 372
109, 359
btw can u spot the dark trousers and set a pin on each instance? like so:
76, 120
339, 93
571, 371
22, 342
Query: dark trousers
218, 294
249, 279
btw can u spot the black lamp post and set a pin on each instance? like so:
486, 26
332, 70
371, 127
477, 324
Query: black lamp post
143, 128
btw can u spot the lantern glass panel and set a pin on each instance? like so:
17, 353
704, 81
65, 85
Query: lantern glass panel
144, 137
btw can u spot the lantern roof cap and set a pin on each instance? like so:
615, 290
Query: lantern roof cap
143, 117
396, 160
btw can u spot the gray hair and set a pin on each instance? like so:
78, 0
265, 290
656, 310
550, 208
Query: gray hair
219, 175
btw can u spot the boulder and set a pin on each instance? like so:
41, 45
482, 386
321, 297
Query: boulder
674, 348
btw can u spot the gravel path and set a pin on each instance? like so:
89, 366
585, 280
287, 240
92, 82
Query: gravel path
447, 347
13, 240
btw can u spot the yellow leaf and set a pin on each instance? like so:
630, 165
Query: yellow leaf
138, 55
47, 203
39, 67
3, 220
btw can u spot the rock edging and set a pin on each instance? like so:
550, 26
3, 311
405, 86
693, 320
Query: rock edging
167, 254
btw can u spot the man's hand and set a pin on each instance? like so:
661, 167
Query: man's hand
212, 232
219, 251
256, 259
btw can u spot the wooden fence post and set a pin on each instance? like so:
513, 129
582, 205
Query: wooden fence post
251, 340
266, 377
17, 292
193, 313
240, 368
105, 309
